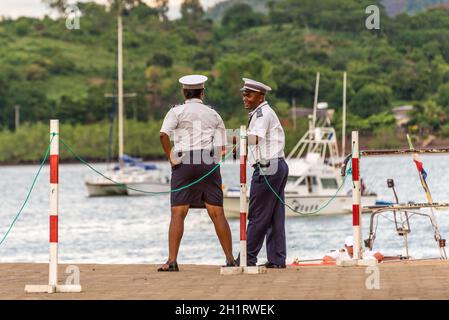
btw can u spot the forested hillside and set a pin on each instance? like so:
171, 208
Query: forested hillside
53, 72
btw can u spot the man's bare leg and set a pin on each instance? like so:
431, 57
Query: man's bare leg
222, 229
175, 232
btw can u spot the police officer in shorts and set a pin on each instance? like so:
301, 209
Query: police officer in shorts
199, 137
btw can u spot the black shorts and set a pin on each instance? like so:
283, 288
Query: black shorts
209, 190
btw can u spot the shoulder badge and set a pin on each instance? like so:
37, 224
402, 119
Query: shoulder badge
259, 113
342, 250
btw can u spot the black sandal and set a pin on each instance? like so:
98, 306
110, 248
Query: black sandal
172, 266
232, 263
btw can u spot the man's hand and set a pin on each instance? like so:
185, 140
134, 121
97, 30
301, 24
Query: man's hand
328, 259
174, 159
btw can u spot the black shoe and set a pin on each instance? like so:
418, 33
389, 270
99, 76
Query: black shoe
172, 266
270, 265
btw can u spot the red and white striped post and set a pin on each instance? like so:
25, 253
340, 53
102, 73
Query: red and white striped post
54, 208
243, 212
54, 201
356, 197
243, 199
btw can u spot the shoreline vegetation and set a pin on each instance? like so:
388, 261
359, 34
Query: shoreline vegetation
28, 144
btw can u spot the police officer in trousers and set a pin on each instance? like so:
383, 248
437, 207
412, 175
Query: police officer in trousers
266, 142
197, 130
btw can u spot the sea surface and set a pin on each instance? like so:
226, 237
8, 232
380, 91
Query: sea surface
127, 230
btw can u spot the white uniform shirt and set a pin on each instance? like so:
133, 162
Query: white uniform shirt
266, 125
194, 126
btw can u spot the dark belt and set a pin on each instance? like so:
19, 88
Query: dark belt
192, 152
265, 164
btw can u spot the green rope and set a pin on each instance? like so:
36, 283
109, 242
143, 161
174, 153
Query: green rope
124, 186
297, 211
29, 191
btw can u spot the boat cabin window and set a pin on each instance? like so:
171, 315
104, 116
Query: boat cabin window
329, 183
293, 179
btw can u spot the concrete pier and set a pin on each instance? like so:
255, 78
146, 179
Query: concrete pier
424, 279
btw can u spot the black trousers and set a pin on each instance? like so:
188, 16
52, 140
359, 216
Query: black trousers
266, 215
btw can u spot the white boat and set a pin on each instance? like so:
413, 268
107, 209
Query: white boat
314, 176
130, 176
134, 178
313, 181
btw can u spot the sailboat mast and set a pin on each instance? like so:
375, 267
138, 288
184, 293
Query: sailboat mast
120, 87
343, 132
315, 101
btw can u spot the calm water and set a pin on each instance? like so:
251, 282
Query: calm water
134, 229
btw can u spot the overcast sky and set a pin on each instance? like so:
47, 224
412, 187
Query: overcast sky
35, 8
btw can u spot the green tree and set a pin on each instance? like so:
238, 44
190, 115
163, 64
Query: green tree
443, 96
224, 91
428, 116
4, 121
162, 8
294, 82
348, 15
123, 6
59, 5
240, 17
371, 99
191, 11
161, 59
411, 81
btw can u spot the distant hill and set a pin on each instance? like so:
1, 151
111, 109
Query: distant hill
393, 7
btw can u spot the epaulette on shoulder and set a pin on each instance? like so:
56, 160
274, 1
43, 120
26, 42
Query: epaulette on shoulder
259, 113
210, 106
174, 106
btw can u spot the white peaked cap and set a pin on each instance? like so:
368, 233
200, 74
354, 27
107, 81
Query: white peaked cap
349, 241
193, 81
253, 85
